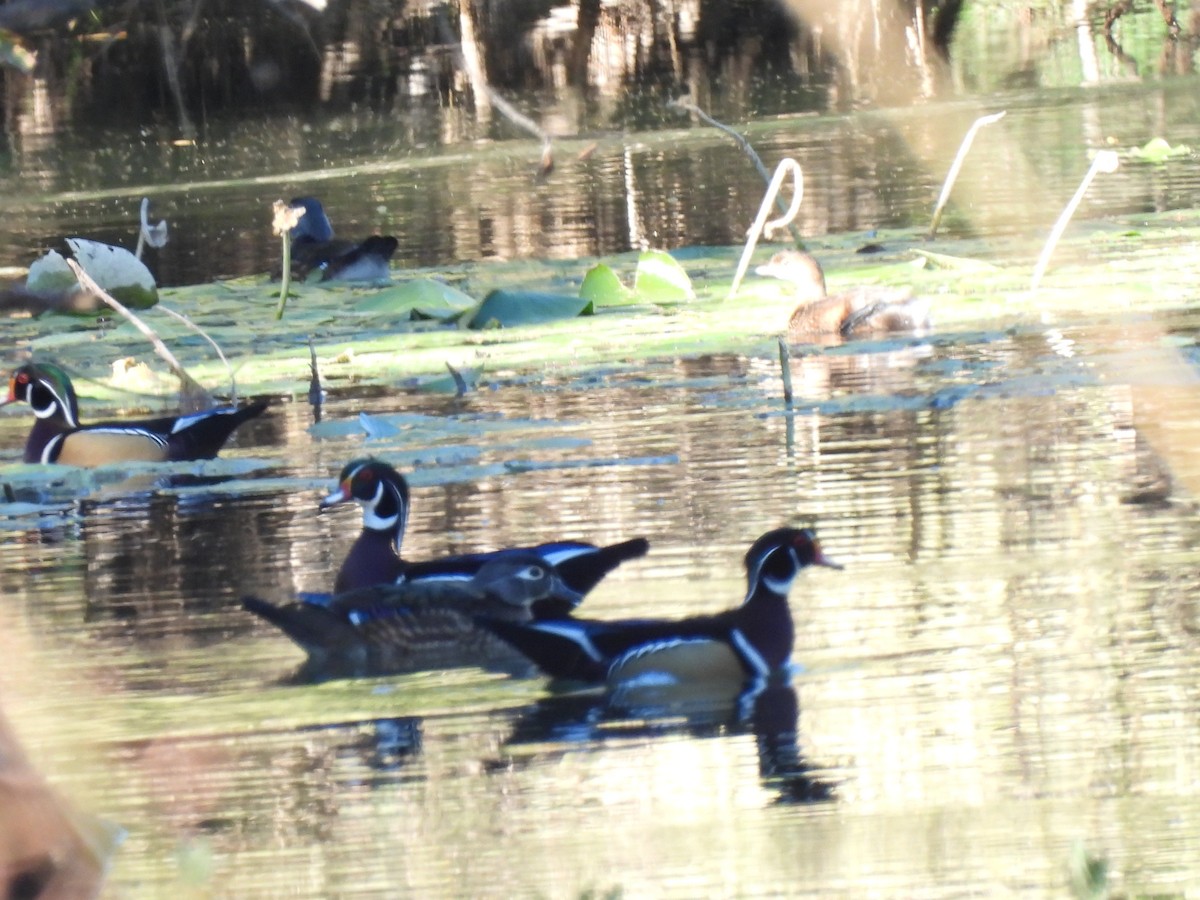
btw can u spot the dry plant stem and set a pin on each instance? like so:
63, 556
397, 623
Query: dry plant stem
195, 397
217, 347
688, 106
1106, 161
786, 166
785, 370
957, 165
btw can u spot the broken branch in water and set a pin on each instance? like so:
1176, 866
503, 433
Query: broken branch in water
956, 166
316, 393
690, 107
785, 370
193, 397
1106, 161
470, 61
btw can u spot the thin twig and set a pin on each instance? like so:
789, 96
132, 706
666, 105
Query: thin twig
1106, 161
217, 347
193, 396
952, 175
689, 106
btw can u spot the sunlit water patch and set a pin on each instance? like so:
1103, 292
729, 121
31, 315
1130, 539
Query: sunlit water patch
1003, 671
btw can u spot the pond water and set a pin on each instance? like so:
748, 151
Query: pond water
459, 198
1002, 679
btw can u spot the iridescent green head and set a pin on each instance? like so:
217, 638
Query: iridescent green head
46, 388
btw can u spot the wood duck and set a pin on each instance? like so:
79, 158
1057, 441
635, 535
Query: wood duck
57, 436
853, 313
391, 628
750, 642
314, 247
375, 557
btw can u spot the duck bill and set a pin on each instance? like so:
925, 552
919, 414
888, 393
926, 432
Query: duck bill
820, 559
341, 495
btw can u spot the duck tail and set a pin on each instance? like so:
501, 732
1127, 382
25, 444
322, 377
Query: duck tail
583, 571
315, 629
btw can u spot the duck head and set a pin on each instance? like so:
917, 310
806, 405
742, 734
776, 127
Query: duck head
48, 390
776, 558
380, 490
799, 269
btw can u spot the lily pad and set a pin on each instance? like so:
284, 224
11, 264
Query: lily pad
115, 269
421, 298
510, 309
1157, 150
955, 263
660, 279
603, 288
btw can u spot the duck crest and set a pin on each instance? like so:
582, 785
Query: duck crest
380, 490
47, 390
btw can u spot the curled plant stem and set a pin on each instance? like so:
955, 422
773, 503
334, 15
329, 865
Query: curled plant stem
957, 165
217, 347
688, 106
787, 166
1106, 161
194, 396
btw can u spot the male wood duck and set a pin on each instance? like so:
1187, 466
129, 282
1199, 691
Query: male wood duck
314, 247
853, 313
375, 557
748, 643
57, 436
386, 629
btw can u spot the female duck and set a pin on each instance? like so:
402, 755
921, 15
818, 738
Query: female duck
853, 313
387, 629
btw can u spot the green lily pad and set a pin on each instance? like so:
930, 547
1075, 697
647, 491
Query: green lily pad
1157, 150
421, 298
603, 288
510, 309
660, 279
955, 263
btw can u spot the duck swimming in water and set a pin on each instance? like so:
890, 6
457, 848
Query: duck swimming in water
314, 247
854, 313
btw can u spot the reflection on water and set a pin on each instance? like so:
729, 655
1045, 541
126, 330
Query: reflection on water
1004, 670
610, 191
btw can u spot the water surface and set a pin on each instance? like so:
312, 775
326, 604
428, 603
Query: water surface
1001, 675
